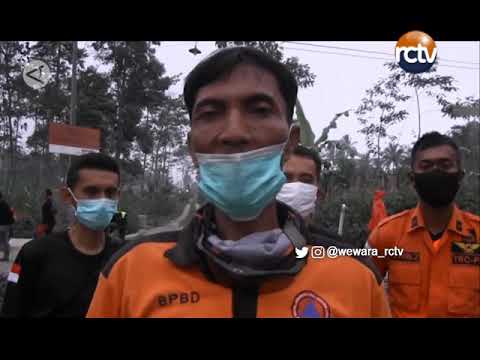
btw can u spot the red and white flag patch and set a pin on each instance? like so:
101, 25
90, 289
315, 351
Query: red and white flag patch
14, 274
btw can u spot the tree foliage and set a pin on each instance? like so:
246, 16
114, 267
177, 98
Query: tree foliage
302, 72
125, 95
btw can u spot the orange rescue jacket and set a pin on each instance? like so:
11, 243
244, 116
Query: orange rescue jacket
158, 278
431, 279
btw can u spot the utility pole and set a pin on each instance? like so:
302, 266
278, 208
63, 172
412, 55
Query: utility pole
418, 110
73, 96
68, 211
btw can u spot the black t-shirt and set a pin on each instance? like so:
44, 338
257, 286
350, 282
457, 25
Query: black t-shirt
50, 278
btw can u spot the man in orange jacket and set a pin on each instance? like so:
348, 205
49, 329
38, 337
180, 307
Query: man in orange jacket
438, 273
237, 256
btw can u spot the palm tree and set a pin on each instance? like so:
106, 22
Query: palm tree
391, 158
467, 138
363, 166
347, 147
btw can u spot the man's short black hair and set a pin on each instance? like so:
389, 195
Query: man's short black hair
48, 192
434, 139
310, 153
223, 61
96, 161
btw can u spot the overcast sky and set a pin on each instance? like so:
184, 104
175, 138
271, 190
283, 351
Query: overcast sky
341, 80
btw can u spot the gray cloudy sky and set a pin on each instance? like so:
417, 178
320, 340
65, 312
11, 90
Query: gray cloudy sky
342, 78
341, 81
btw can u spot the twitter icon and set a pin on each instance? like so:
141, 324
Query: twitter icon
301, 253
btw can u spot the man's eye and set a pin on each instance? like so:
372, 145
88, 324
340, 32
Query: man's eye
262, 110
113, 194
207, 114
210, 112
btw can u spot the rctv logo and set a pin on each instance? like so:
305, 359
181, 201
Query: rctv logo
416, 52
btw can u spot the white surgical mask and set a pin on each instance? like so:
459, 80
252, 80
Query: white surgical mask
299, 196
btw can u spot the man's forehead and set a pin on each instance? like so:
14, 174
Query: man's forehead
300, 163
437, 152
97, 177
243, 81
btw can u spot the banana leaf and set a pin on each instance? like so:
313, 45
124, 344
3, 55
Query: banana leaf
307, 136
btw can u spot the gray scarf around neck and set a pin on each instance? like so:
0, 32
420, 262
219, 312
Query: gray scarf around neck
257, 250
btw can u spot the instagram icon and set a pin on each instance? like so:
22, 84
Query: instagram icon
317, 252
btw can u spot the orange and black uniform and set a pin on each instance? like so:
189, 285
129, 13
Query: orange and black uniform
432, 278
155, 278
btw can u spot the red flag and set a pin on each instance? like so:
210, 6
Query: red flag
379, 212
14, 273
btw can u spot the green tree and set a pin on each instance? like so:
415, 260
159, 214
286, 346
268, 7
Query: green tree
392, 156
302, 72
51, 104
137, 80
307, 136
428, 83
53, 101
377, 112
467, 136
334, 172
468, 139
96, 108
169, 130
468, 109
13, 106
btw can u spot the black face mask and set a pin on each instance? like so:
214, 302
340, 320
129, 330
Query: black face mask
437, 188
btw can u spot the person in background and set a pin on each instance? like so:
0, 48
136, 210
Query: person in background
57, 278
302, 191
438, 272
6, 222
48, 212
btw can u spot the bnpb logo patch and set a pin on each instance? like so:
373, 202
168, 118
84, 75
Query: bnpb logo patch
416, 52
307, 304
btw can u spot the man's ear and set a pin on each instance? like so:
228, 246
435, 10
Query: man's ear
320, 193
411, 178
66, 196
191, 150
293, 141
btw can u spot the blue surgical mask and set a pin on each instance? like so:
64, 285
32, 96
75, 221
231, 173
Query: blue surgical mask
95, 214
242, 184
